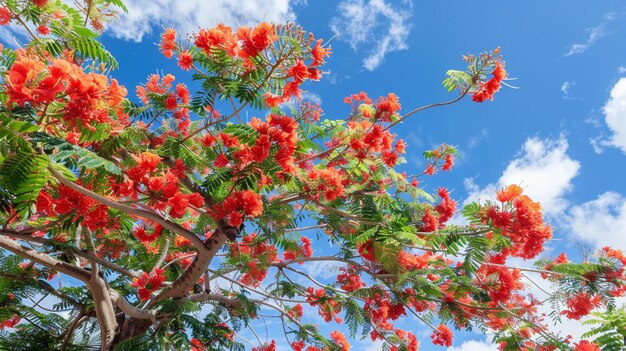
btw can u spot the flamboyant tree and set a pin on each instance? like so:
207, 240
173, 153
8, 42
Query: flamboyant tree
169, 223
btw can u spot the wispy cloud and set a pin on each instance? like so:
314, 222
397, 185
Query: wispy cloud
187, 16
595, 33
474, 345
566, 88
621, 69
474, 140
374, 24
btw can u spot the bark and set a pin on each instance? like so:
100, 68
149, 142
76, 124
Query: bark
199, 266
105, 312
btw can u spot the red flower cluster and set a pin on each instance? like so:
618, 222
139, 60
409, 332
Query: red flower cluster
328, 308
149, 283
160, 90
409, 339
237, 205
580, 305
585, 345
304, 250
95, 216
487, 89
382, 310
164, 186
446, 207
299, 72
442, 336
197, 345
523, 224
340, 340
349, 279
266, 347
10, 323
499, 282
328, 182
168, 42
278, 130
299, 346
89, 96
5, 16
258, 254
144, 238
412, 262
386, 107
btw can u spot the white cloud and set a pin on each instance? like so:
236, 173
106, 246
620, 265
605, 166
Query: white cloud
601, 222
187, 16
621, 69
595, 33
374, 23
565, 87
374, 346
312, 97
543, 169
14, 35
615, 115
475, 345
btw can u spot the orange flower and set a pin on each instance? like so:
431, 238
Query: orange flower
509, 193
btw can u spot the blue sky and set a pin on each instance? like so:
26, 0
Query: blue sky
561, 134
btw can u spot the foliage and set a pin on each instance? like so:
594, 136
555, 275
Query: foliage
161, 222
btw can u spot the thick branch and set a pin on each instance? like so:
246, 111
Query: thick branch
198, 267
43, 259
169, 225
126, 307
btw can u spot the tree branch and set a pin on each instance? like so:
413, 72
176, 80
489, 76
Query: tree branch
169, 225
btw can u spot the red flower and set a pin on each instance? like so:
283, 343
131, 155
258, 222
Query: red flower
178, 203
442, 336
262, 36
299, 72
585, 345
220, 161
148, 161
168, 42
580, 305
389, 158
197, 345
5, 16
185, 60
43, 29
11, 322
143, 237
449, 163
400, 146
171, 102
429, 221
340, 340
430, 170
147, 283
318, 53
266, 347
272, 100
487, 89
386, 107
